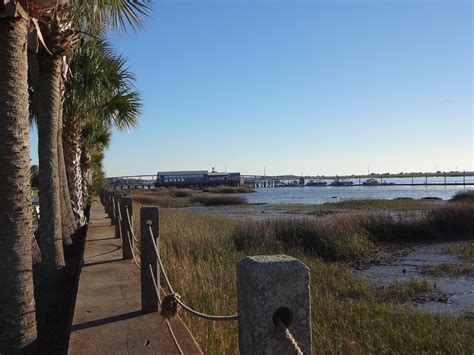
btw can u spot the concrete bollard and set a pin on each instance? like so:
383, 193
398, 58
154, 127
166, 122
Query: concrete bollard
118, 215
112, 208
149, 217
270, 288
127, 234
106, 201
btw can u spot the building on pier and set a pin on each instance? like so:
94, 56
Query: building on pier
196, 178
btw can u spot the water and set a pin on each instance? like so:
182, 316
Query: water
315, 195
452, 294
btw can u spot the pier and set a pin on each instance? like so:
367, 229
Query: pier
464, 178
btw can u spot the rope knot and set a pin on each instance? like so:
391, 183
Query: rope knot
169, 306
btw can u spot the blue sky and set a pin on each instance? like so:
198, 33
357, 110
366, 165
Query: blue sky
312, 87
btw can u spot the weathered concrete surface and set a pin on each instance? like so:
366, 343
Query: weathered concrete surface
266, 284
108, 317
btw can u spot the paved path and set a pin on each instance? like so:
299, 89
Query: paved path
107, 317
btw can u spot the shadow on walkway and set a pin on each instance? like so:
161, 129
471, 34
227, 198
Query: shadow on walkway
107, 320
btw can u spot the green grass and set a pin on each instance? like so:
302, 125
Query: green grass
34, 193
448, 269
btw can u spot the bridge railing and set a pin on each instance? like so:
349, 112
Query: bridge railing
273, 295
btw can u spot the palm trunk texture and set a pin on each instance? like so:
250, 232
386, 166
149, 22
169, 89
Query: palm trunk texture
86, 174
66, 221
72, 157
48, 110
17, 304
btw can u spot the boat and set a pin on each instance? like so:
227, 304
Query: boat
338, 182
316, 183
371, 182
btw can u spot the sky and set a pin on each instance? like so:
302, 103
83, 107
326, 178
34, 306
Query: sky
300, 87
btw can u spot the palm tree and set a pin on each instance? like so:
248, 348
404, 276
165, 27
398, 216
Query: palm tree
17, 310
99, 96
61, 33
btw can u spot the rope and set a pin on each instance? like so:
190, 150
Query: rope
130, 226
133, 254
173, 336
176, 296
130, 229
290, 337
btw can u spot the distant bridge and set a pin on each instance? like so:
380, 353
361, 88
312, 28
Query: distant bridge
465, 178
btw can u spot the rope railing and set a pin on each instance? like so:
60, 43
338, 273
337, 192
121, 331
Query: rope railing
176, 297
291, 285
134, 257
130, 225
168, 325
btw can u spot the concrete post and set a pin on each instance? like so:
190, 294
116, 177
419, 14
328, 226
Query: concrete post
127, 234
106, 201
149, 217
112, 208
269, 288
118, 215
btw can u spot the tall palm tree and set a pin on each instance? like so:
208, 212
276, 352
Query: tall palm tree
61, 32
17, 310
99, 95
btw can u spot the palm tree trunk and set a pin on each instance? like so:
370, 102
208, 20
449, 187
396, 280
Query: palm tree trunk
17, 304
66, 226
49, 104
66, 221
72, 157
86, 174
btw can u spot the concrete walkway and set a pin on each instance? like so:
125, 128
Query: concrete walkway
108, 317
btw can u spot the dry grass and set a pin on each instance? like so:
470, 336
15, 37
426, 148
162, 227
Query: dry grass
229, 189
448, 269
218, 200
349, 315
378, 205
463, 196
464, 250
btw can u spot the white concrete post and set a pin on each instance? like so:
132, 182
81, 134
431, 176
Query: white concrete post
271, 290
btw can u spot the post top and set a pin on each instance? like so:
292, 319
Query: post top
271, 262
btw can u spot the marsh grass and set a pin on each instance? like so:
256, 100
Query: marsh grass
448, 269
372, 204
404, 291
464, 250
349, 315
463, 196
229, 189
333, 238
218, 200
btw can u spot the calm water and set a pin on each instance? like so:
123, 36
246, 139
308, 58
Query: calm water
316, 195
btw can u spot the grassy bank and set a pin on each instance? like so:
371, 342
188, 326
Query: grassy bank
229, 189
174, 198
463, 196
349, 315
218, 200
